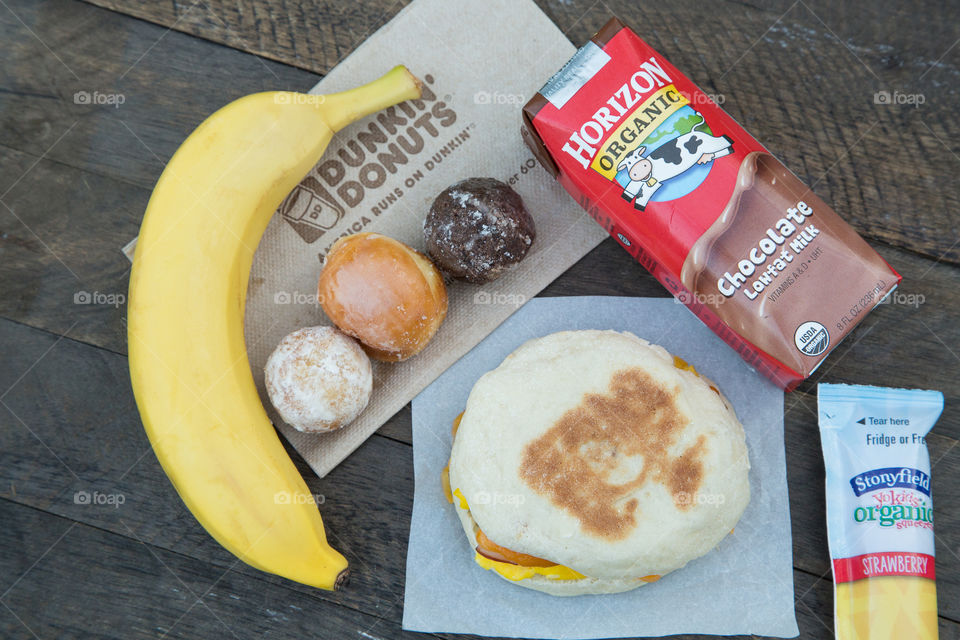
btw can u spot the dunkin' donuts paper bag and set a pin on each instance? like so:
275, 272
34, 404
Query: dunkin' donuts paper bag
382, 173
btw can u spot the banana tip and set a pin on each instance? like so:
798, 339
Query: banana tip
341, 580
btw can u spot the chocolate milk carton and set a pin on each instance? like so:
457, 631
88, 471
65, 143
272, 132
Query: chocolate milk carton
693, 197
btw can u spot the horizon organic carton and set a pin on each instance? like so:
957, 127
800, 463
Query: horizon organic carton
699, 202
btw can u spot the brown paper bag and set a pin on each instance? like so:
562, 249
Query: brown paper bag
481, 60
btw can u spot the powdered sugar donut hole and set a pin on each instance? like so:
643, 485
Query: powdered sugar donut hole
318, 379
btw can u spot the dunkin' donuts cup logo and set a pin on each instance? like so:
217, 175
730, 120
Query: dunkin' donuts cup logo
311, 210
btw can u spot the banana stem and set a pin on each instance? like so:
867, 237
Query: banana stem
397, 85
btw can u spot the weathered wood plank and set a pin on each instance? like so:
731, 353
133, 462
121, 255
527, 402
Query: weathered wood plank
803, 83
803, 77
53, 259
74, 580
75, 178
913, 340
814, 606
61, 230
69, 580
96, 90
313, 35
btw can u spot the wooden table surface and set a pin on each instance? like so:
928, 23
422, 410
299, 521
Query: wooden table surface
75, 174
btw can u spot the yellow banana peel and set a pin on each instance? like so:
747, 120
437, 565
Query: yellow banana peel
188, 361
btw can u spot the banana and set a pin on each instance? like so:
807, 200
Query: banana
188, 360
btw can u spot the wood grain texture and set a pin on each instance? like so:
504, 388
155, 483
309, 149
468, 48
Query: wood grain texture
78, 581
312, 35
108, 94
60, 233
75, 178
913, 340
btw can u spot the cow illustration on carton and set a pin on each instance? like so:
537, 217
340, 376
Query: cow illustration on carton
648, 171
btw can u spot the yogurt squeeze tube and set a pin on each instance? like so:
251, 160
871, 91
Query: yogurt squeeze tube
879, 509
693, 197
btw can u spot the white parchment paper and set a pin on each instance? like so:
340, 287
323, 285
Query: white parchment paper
743, 586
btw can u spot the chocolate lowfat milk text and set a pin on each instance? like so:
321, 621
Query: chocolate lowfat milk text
693, 197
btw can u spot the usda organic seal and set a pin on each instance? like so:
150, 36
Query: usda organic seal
811, 338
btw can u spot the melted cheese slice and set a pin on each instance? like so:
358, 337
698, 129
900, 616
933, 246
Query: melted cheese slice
683, 365
515, 572
680, 363
445, 483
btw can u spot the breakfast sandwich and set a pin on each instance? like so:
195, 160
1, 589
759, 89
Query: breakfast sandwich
595, 462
